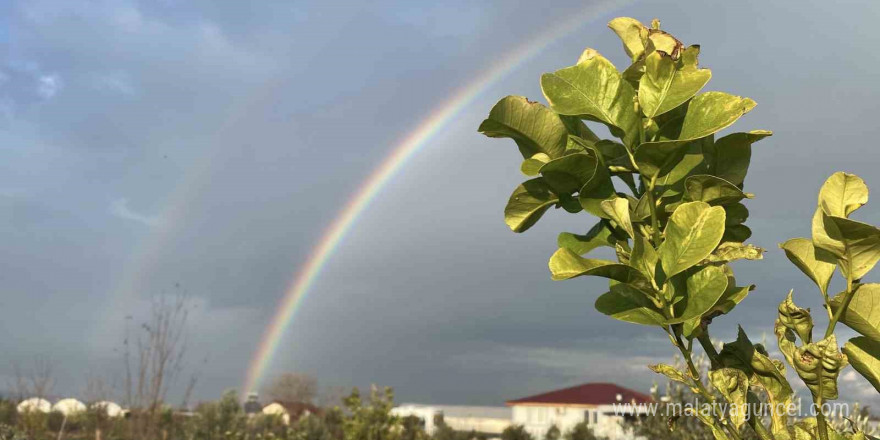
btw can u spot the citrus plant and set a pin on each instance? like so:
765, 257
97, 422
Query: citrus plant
668, 200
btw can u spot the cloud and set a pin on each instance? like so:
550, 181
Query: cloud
49, 85
115, 82
119, 208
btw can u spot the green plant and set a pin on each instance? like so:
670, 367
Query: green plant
669, 200
581, 431
371, 420
515, 432
853, 248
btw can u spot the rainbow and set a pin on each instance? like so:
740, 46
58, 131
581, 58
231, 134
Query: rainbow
372, 186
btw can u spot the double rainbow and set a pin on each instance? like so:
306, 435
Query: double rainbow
372, 186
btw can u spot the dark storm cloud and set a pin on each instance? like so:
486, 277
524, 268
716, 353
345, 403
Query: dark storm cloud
210, 144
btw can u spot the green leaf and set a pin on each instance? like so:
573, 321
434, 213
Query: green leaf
671, 372
818, 364
615, 155
732, 296
732, 251
642, 210
568, 174
703, 289
527, 204
736, 214
863, 312
736, 234
824, 243
628, 304
707, 114
692, 233
718, 432
712, 190
864, 354
618, 210
802, 253
842, 194
565, 264
763, 372
691, 162
593, 89
532, 166
796, 319
534, 128
598, 189
576, 127
599, 235
806, 429
733, 385
644, 257
861, 245
711, 112
632, 33
730, 155
665, 85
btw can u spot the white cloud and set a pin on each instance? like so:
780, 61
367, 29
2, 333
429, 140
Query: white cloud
564, 362
48, 85
119, 208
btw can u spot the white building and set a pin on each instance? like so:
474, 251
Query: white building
490, 420
597, 404
34, 404
69, 407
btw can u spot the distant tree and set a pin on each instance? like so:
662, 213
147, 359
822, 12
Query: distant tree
37, 381
553, 433
413, 428
515, 432
331, 396
334, 420
311, 427
216, 419
293, 387
442, 431
371, 420
153, 360
582, 431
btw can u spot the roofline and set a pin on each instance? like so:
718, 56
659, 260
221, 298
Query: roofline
567, 405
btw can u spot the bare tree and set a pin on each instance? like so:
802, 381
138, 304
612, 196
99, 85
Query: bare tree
292, 387
36, 381
98, 388
154, 358
332, 396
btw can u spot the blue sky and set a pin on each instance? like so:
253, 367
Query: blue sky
208, 144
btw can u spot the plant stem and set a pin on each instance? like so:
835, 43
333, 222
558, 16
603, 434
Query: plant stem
754, 421
759, 427
698, 381
846, 299
820, 419
708, 347
655, 223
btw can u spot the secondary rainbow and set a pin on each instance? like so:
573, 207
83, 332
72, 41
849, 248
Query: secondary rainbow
372, 186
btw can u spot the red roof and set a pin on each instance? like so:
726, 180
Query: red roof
586, 394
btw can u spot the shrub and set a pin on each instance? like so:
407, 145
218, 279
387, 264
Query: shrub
668, 197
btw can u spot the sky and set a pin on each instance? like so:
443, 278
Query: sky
161, 147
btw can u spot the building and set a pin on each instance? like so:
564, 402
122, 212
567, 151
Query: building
69, 407
34, 404
290, 411
252, 404
592, 403
489, 420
